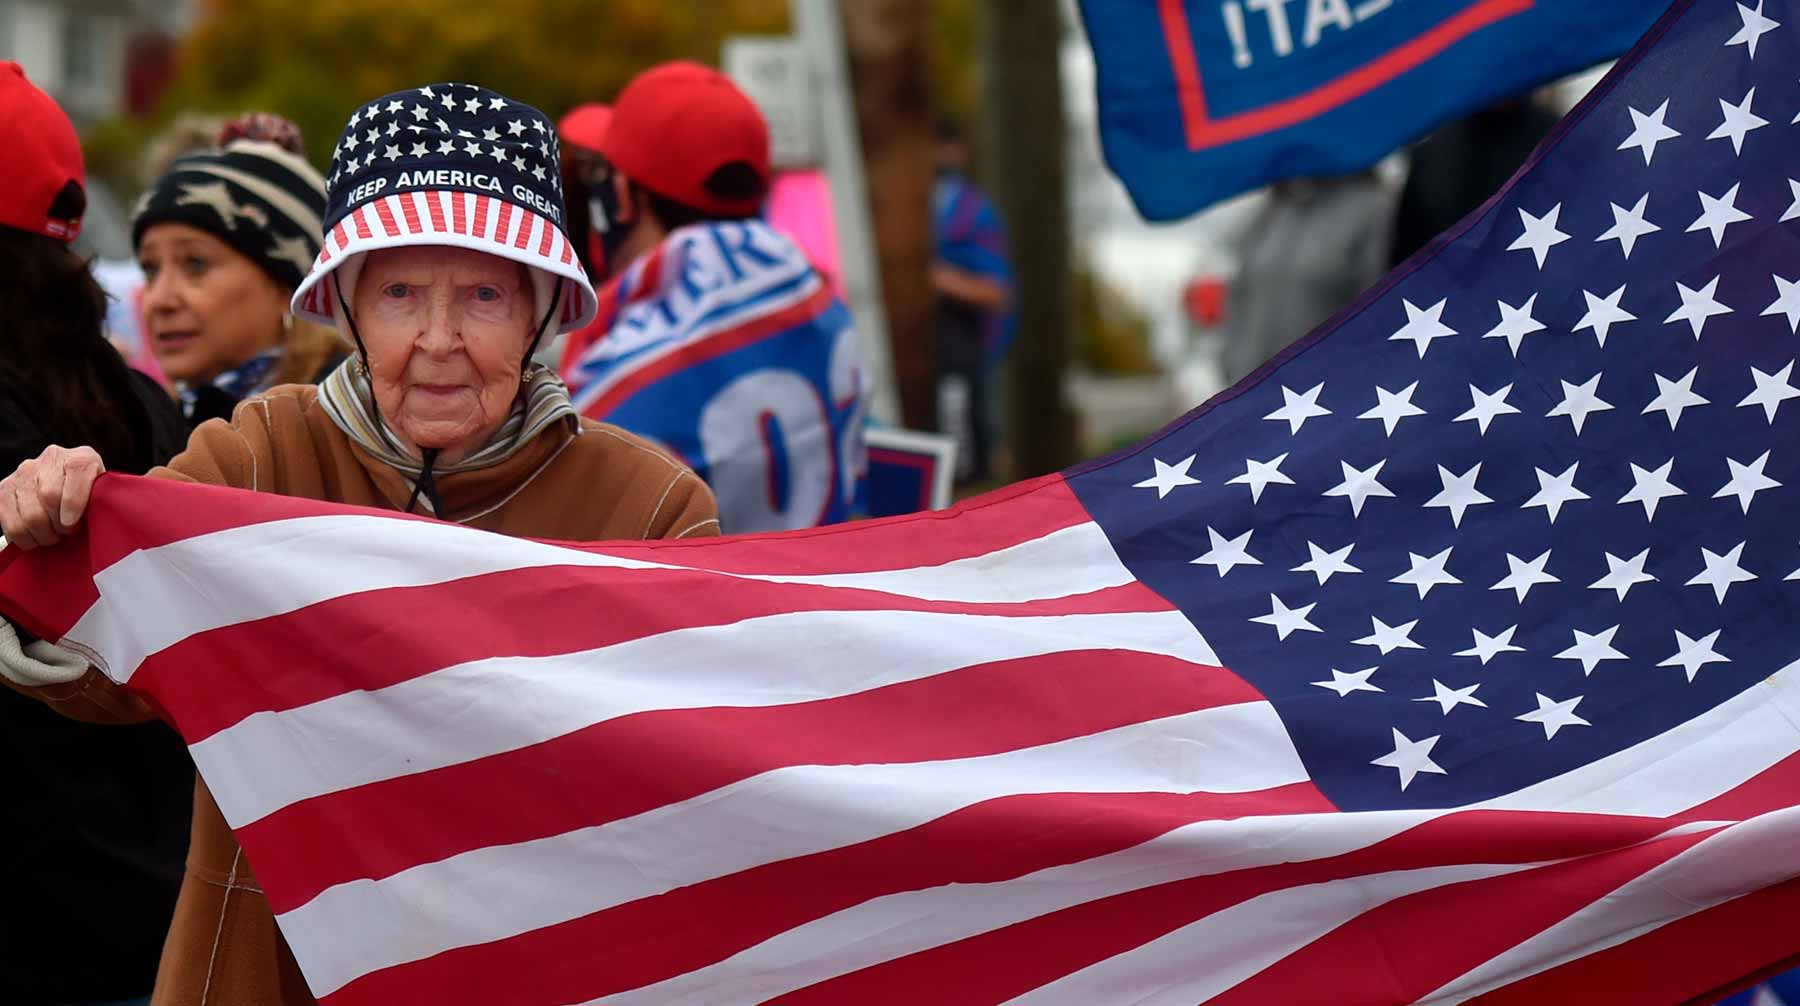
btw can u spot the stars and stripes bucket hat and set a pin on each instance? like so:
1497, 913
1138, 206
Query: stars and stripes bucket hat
447, 164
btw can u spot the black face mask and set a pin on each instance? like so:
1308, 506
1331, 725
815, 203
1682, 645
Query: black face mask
603, 215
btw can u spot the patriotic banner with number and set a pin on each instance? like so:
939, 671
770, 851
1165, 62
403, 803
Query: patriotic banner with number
1203, 99
1454, 659
726, 346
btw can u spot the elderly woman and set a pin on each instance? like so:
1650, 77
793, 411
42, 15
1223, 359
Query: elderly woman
445, 262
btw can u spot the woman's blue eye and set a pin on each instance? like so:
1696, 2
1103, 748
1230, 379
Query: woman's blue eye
487, 293
395, 290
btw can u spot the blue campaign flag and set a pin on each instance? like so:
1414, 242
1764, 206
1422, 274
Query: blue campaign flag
725, 346
1203, 99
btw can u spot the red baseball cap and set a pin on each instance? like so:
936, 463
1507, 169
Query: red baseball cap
45, 159
676, 124
585, 126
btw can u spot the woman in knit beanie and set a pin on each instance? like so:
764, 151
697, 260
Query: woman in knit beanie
223, 238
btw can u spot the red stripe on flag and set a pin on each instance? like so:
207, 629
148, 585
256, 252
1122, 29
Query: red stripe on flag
50, 593
434, 207
1441, 944
410, 209
972, 712
1676, 963
505, 221
637, 944
996, 966
479, 228
695, 353
386, 214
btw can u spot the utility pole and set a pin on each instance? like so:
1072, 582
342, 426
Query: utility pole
890, 66
1020, 42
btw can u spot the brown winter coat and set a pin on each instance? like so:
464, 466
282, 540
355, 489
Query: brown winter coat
223, 948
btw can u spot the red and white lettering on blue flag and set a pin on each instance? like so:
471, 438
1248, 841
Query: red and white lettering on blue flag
726, 346
1203, 99
1454, 659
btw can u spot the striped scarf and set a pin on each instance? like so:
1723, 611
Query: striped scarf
350, 401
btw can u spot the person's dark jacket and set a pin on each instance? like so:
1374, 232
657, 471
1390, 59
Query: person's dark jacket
96, 815
1460, 166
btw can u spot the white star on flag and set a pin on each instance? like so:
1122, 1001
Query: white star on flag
419, 150
1458, 493
1739, 121
1629, 225
1297, 409
1427, 573
1675, 397
1592, 649
1359, 484
1356, 681
1771, 390
1484, 407
1540, 235
1449, 698
1721, 571
1410, 757
1793, 211
1388, 638
1603, 313
515, 127
1718, 213
1651, 488
1692, 654
1746, 481
1287, 620
1258, 475
496, 104
1788, 303
1488, 647
1169, 478
1755, 27
1525, 575
1326, 565
472, 106
1553, 716
1423, 326
1623, 574
419, 112
1391, 407
1555, 490
1648, 130
1579, 401
446, 146
1515, 323
1227, 553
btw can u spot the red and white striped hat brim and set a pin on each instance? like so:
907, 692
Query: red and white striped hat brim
455, 218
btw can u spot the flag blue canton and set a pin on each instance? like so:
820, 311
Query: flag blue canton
1531, 501
458, 137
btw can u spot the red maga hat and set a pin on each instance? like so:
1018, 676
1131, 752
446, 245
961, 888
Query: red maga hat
585, 126
44, 160
676, 124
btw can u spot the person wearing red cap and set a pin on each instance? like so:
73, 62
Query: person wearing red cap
582, 131
716, 336
100, 814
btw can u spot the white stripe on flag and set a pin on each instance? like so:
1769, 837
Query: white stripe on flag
154, 598
493, 893
897, 925
272, 759
1202, 959
1747, 856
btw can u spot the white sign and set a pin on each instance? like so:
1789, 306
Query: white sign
773, 71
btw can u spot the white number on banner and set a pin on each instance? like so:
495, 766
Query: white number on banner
738, 431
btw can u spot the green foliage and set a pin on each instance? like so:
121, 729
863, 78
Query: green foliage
316, 61
1112, 336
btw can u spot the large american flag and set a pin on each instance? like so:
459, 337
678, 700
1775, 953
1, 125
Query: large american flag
1454, 659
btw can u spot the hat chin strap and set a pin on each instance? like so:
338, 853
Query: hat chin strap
426, 483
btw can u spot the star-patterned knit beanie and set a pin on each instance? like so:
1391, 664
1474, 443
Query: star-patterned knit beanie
262, 200
455, 165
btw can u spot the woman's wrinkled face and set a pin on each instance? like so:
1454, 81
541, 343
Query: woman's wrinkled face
207, 308
446, 331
